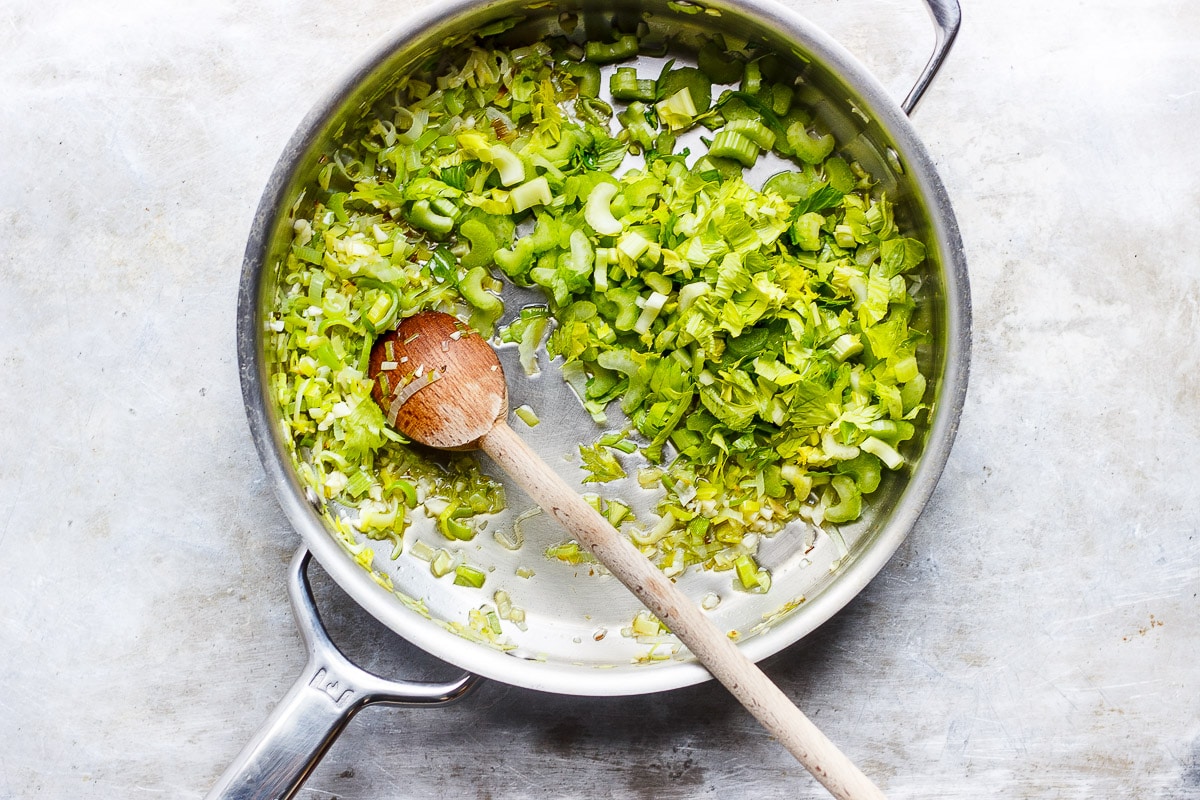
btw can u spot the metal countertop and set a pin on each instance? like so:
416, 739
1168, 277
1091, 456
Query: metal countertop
1036, 636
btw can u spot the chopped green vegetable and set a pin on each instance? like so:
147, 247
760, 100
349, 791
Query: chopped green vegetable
729, 143
465, 575
534, 193
624, 47
598, 210
526, 415
451, 525
625, 85
760, 340
570, 553
808, 149
587, 78
600, 464
528, 331
673, 82
442, 563
719, 64
677, 110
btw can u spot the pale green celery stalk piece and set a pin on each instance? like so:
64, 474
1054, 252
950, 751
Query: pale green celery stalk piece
838, 451
422, 215
489, 306
633, 245
906, 369
626, 46
808, 149
806, 231
508, 164
600, 269
845, 346
465, 575
654, 304
598, 213
886, 453
531, 193
849, 500
734, 145
677, 111
753, 130
530, 338
526, 415
625, 85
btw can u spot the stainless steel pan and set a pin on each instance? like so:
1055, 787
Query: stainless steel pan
574, 617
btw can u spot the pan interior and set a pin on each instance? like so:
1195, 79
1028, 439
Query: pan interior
575, 615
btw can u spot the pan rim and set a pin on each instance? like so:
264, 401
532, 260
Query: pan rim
563, 678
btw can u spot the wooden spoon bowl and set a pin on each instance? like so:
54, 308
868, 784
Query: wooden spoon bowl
445, 385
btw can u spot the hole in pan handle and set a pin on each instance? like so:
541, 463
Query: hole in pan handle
328, 692
947, 17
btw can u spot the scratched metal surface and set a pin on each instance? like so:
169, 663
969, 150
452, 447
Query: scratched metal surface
1036, 635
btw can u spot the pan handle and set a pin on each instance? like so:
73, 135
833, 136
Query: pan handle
329, 691
947, 17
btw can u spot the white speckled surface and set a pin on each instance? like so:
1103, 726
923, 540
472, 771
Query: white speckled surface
1036, 636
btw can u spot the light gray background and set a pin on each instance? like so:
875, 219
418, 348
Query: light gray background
1036, 636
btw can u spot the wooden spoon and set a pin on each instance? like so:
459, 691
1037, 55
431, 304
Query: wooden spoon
447, 390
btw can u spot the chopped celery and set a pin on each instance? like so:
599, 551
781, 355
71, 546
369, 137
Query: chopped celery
754, 130
751, 77
465, 575
729, 143
718, 64
886, 453
625, 85
587, 78
906, 369
759, 341
533, 193
806, 231
527, 332
845, 346
632, 245
598, 210
508, 165
839, 175
699, 88
808, 149
650, 311
422, 215
600, 464
849, 500
526, 415
624, 47
678, 110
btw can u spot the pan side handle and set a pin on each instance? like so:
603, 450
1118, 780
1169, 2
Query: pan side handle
947, 18
329, 691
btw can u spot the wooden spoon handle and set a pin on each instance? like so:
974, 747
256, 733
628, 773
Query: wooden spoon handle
710, 646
